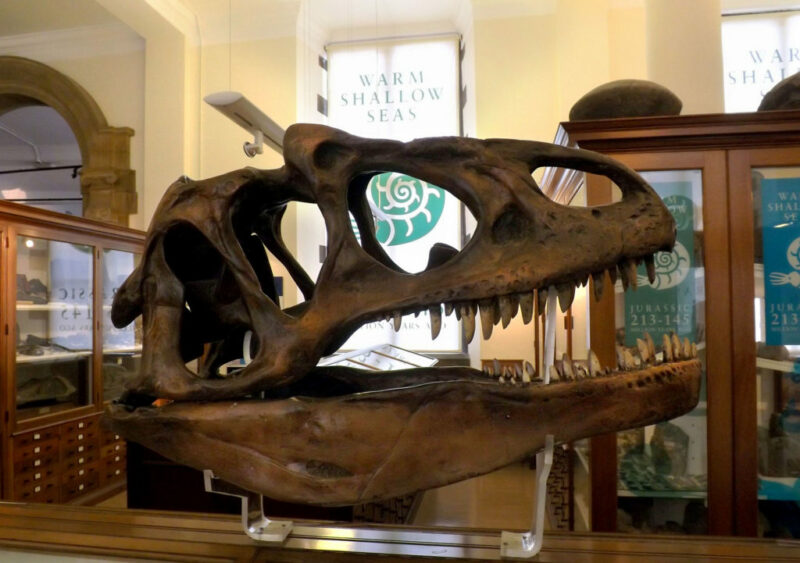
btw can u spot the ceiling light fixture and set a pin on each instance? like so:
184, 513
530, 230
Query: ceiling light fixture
246, 114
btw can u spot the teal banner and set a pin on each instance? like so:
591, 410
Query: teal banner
668, 304
780, 213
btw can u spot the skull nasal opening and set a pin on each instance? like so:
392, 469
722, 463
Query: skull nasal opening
406, 223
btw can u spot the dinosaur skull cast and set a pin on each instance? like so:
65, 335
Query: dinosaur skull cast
290, 430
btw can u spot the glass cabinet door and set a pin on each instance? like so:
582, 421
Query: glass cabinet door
54, 322
776, 220
122, 347
663, 468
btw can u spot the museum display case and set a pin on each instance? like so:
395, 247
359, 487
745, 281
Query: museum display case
728, 467
62, 359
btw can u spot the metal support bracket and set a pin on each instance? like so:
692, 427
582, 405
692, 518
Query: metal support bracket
256, 525
527, 544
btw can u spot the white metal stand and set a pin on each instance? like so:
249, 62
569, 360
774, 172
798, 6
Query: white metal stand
256, 525
527, 544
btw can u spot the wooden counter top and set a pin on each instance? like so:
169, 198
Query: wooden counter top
193, 537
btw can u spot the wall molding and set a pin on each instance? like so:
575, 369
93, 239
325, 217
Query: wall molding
74, 43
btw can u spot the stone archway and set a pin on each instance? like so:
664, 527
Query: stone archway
108, 184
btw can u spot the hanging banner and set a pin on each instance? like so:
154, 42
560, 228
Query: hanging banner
668, 304
780, 212
402, 89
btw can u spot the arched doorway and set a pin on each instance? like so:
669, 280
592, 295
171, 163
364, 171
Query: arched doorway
107, 182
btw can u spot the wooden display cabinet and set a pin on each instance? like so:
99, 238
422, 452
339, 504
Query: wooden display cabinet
713, 159
61, 358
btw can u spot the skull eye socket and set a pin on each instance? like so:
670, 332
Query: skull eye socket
405, 223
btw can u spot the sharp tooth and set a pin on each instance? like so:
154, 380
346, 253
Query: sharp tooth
568, 367
448, 309
554, 375
525, 377
457, 310
496, 315
612, 273
526, 305
541, 299
506, 309
651, 346
436, 321
676, 346
623, 274
530, 370
694, 350
667, 345
398, 319
595, 368
644, 350
487, 369
630, 361
687, 348
620, 357
518, 371
468, 318
487, 317
633, 278
599, 281
581, 371
650, 264
566, 293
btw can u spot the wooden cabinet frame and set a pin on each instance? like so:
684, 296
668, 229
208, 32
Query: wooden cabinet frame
725, 148
18, 220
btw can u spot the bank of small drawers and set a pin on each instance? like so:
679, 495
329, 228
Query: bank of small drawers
65, 461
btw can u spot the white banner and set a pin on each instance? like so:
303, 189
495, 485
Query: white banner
758, 51
402, 89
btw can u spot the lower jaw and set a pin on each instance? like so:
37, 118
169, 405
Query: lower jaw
379, 444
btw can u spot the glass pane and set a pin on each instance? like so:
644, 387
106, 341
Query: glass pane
54, 326
776, 204
662, 468
122, 347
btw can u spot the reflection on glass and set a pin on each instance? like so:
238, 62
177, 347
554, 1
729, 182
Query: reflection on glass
776, 205
662, 468
54, 326
122, 347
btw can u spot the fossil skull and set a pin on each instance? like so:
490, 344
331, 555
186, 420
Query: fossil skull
293, 431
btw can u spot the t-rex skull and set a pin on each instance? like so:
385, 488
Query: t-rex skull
290, 430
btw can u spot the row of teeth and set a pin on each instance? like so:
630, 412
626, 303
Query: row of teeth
495, 310
566, 369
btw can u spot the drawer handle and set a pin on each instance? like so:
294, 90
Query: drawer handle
80, 436
81, 472
116, 458
116, 436
116, 472
37, 449
80, 460
37, 436
37, 476
116, 448
37, 488
37, 462
80, 487
80, 449
80, 425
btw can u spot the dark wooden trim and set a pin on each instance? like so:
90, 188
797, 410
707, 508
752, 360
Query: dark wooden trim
686, 132
602, 449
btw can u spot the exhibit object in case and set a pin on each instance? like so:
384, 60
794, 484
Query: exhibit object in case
62, 357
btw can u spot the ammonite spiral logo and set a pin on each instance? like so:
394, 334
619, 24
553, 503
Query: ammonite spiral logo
671, 267
406, 208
